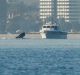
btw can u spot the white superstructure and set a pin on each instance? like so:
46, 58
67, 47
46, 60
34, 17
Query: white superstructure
49, 27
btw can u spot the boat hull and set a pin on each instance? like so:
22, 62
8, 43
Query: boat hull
54, 35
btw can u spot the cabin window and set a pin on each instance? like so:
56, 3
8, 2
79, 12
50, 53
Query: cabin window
52, 26
48, 26
44, 26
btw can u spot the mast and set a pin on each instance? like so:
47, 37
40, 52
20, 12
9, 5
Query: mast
54, 11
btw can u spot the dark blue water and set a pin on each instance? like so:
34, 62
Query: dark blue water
39, 57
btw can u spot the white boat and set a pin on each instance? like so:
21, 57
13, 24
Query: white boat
51, 31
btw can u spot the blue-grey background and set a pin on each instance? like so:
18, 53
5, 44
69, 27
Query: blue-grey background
24, 15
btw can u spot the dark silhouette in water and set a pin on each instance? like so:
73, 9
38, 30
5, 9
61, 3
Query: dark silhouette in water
21, 35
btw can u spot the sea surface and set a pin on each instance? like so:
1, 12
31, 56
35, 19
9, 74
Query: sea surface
39, 57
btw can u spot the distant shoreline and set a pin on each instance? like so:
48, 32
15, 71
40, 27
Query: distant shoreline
13, 36
36, 35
